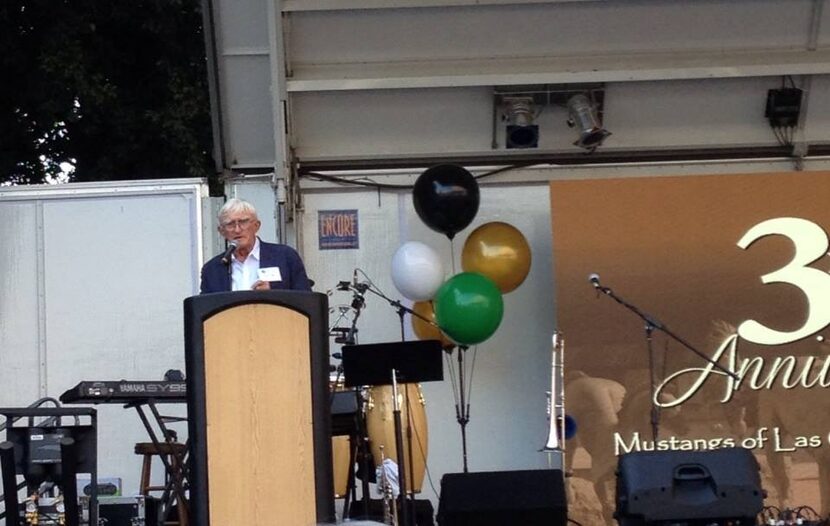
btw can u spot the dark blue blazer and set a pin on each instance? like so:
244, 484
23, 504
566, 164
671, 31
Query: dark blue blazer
217, 278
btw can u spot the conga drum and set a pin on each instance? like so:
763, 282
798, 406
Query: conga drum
380, 426
340, 454
340, 449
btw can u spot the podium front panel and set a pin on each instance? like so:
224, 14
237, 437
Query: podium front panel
259, 443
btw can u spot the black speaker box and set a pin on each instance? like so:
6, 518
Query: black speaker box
129, 511
529, 498
693, 487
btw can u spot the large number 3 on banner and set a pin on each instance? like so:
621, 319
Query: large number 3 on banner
810, 243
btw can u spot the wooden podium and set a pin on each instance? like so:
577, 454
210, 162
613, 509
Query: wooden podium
257, 400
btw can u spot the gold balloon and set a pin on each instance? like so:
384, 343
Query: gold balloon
500, 252
424, 330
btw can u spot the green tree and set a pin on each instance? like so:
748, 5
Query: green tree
117, 88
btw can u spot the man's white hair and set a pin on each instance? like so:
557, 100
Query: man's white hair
234, 205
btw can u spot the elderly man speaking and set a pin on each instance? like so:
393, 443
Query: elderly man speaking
252, 264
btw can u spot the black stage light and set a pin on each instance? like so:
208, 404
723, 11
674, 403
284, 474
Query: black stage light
521, 132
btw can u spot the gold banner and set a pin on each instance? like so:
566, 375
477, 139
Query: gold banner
738, 266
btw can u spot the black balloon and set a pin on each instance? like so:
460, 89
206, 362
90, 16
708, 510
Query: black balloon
446, 198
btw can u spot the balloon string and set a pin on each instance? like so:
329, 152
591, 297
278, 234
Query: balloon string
470, 376
454, 381
452, 255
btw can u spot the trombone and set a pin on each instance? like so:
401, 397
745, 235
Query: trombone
556, 398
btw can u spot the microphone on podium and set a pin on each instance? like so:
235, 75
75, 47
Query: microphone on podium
226, 257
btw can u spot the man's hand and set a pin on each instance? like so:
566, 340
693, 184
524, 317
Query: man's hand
261, 285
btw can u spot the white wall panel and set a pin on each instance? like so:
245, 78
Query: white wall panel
127, 341
512, 370
20, 329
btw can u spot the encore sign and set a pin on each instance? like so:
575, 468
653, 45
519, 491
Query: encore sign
338, 229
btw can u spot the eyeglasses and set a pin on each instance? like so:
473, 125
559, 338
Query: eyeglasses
241, 223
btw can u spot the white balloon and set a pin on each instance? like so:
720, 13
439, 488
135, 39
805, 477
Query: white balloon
417, 271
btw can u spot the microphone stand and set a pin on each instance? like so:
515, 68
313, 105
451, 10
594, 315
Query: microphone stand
652, 324
358, 302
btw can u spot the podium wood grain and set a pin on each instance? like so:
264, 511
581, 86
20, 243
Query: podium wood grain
259, 416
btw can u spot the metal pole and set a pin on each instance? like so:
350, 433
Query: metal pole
400, 451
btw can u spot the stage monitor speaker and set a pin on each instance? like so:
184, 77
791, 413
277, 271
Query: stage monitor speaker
529, 498
692, 487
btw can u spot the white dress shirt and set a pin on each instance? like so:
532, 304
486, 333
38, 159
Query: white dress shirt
244, 273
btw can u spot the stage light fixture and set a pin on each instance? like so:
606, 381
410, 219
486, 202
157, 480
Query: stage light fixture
519, 107
584, 116
521, 132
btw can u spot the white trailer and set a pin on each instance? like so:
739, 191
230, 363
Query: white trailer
93, 278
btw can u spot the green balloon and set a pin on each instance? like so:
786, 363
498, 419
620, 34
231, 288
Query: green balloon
468, 308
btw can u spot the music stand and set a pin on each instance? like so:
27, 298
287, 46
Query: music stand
371, 364
388, 364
